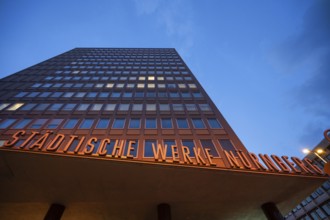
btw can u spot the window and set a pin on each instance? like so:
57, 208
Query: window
110, 107
226, 145
151, 123
55, 107
21, 94
209, 144
110, 85
86, 124
197, 95
71, 123
102, 123
213, 122
22, 124
38, 123
68, 94
103, 95
80, 94
198, 123
139, 94
68, 107
205, 107
185, 95
182, 123
169, 144
54, 123
15, 106
44, 94
151, 107
96, 107
134, 123
191, 107
140, 86
192, 86
190, 144
166, 123
123, 107
6, 123
164, 107
83, 107
115, 95
3, 106
41, 107
174, 94
137, 107
56, 94
91, 94
148, 148
151, 85
118, 123
127, 95
28, 106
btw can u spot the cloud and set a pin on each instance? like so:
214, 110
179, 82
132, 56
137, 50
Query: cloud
307, 54
175, 16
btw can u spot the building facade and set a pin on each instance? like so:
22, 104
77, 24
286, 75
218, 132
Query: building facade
103, 130
316, 205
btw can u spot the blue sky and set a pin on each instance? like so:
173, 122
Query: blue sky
265, 64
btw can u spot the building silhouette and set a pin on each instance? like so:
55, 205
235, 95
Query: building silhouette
129, 133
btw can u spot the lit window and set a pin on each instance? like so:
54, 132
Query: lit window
55, 107
38, 123
15, 106
142, 78
134, 123
151, 107
99, 85
164, 107
83, 107
151, 123
6, 123
130, 85
182, 86
182, 123
192, 86
86, 124
140, 86
71, 123
110, 107
118, 123
102, 123
22, 124
198, 123
160, 78
96, 107
151, 78
54, 123
151, 85
123, 107
120, 85
110, 85
166, 123
213, 122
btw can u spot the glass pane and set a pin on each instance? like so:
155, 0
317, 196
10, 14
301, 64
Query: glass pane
182, 123
38, 123
226, 145
198, 123
134, 123
71, 123
86, 124
151, 123
54, 123
209, 144
190, 144
148, 148
118, 123
214, 123
103, 123
6, 123
22, 124
166, 123
169, 144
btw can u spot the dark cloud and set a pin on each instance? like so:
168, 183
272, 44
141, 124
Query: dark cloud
308, 53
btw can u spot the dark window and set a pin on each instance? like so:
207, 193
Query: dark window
54, 123
21, 94
22, 124
118, 123
71, 123
148, 148
69, 107
55, 107
41, 107
28, 106
182, 123
169, 144
198, 123
86, 124
213, 122
134, 123
190, 144
103, 123
6, 123
56, 94
226, 145
91, 94
151, 123
166, 123
209, 144
38, 123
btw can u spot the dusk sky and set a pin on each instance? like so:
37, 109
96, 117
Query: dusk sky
265, 64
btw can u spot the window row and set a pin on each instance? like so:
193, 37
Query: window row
125, 67
101, 95
120, 78
121, 72
105, 107
104, 123
138, 85
127, 62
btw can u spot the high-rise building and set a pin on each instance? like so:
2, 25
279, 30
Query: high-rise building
114, 133
317, 204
